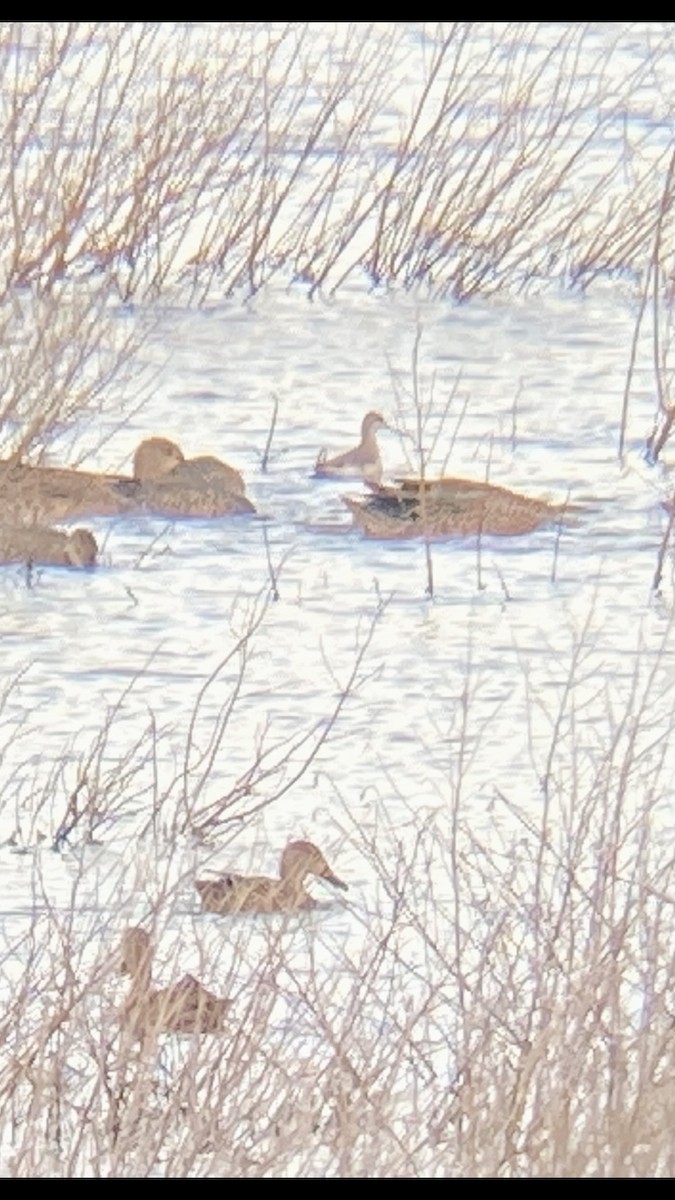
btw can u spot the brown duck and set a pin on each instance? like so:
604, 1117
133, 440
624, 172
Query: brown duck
183, 1007
170, 497
167, 484
164, 482
38, 544
363, 462
40, 495
157, 458
450, 507
258, 893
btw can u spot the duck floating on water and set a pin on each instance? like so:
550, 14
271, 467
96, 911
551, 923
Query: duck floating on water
164, 482
450, 507
158, 459
233, 893
40, 545
167, 484
41, 495
363, 462
183, 1007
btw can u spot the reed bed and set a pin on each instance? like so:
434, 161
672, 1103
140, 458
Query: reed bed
498, 998
188, 161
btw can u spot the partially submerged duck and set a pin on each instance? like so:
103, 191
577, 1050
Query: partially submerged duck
37, 544
447, 507
183, 1007
363, 462
233, 893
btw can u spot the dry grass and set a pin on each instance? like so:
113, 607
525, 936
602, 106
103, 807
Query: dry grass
496, 1001
502, 1003
221, 156
151, 162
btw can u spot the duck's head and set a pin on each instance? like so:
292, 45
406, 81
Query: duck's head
155, 457
372, 422
304, 858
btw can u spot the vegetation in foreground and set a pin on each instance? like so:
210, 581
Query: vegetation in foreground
502, 1002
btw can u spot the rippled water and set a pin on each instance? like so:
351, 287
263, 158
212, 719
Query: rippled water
459, 697
169, 599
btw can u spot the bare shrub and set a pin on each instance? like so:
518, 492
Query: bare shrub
498, 1000
221, 155
146, 162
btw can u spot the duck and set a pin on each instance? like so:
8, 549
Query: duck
167, 484
183, 1007
209, 471
156, 458
363, 462
41, 495
41, 545
169, 497
233, 893
450, 507
164, 482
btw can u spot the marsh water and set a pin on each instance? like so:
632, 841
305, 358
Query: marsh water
168, 599
458, 697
